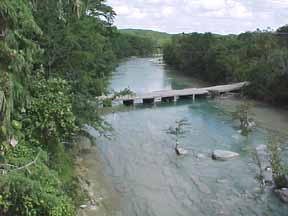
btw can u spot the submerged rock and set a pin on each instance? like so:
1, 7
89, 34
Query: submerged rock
268, 169
200, 185
221, 181
224, 155
283, 194
200, 156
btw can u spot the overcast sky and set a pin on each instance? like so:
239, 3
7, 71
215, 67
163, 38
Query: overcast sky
219, 16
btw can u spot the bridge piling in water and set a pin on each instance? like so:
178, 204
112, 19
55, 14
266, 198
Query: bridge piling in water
176, 98
128, 102
168, 99
148, 100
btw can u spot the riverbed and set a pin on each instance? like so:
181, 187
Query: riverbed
147, 178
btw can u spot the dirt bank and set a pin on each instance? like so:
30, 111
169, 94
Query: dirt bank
102, 199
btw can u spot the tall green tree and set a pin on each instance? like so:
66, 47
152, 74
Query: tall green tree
259, 57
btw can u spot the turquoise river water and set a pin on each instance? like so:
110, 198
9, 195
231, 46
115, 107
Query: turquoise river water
147, 176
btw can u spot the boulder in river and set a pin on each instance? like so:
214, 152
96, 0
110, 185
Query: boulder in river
180, 151
223, 155
83, 206
283, 194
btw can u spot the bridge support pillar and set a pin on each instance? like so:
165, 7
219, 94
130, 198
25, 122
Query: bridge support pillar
193, 98
185, 97
167, 99
128, 102
214, 93
176, 99
148, 101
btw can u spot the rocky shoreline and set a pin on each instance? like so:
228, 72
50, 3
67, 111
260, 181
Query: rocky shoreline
101, 198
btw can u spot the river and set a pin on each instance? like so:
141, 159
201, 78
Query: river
144, 173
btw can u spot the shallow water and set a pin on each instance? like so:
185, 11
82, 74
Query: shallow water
142, 75
148, 176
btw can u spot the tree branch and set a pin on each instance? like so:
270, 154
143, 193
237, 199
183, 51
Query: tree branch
15, 168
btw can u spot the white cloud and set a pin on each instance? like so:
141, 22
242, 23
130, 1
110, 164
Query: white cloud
122, 10
284, 2
137, 14
213, 4
167, 11
238, 10
209, 5
222, 16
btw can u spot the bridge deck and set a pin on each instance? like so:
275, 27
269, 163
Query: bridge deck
178, 93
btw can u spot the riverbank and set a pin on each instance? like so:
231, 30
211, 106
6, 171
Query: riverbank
101, 198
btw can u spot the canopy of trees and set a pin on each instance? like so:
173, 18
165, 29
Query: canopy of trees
55, 55
159, 38
260, 57
126, 44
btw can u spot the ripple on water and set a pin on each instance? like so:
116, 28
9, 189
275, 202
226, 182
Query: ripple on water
153, 181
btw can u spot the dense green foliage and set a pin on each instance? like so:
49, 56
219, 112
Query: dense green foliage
159, 38
126, 44
279, 169
260, 57
55, 57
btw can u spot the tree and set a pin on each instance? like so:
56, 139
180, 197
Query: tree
282, 34
259, 57
179, 130
243, 114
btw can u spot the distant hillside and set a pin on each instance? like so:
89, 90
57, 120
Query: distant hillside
159, 37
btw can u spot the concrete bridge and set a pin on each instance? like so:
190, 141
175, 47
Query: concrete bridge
174, 95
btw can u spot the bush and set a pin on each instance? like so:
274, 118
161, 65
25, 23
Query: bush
34, 191
49, 117
280, 172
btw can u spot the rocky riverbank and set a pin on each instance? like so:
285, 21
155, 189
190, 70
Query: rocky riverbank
101, 199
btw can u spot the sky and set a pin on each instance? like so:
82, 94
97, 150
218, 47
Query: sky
217, 16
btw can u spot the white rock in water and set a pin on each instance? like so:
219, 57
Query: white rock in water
182, 151
224, 155
83, 206
268, 169
251, 124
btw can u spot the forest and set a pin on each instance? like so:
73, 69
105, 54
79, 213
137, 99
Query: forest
260, 57
158, 38
55, 57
